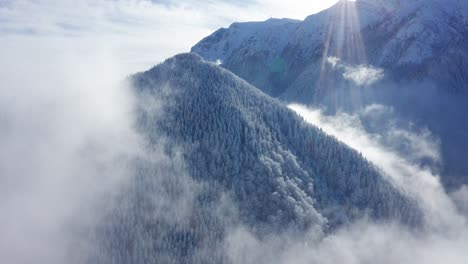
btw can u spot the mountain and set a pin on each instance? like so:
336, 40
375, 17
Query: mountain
426, 37
248, 161
411, 55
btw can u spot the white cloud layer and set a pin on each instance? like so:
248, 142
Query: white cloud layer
62, 112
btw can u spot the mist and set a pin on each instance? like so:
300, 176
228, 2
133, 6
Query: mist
66, 135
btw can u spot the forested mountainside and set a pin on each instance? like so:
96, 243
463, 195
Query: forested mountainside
411, 55
248, 161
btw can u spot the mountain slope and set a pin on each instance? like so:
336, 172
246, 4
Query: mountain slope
239, 130
411, 55
278, 173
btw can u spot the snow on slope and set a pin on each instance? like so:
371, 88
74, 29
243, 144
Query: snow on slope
250, 161
221, 44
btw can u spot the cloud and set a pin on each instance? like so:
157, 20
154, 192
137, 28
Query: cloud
62, 112
417, 145
360, 75
361, 243
363, 75
460, 198
414, 178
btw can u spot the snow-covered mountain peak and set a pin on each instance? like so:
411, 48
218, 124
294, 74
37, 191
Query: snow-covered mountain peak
246, 136
245, 160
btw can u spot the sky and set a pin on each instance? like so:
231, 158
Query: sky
137, 33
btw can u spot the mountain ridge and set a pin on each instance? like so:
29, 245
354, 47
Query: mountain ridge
237, 158
254, 110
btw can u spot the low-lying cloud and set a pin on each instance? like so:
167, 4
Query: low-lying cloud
361, 243
360, 75
66, 137
414, 178
460, 197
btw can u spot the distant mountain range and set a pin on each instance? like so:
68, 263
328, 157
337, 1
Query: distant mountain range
411, 55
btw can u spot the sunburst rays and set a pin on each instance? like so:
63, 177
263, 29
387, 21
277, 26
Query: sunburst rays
343, 40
